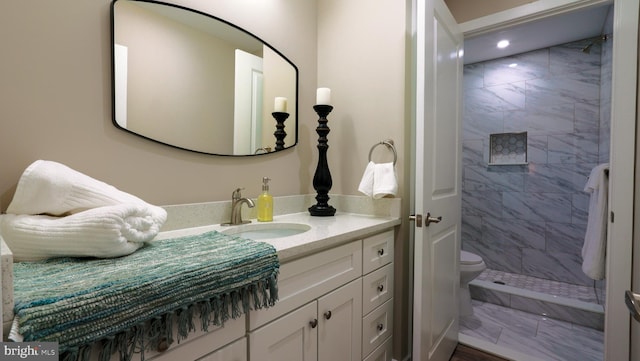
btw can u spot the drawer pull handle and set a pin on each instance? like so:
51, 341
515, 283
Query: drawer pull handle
327, 315
380, 327
163, 345
380, 288
381, 252
313, 323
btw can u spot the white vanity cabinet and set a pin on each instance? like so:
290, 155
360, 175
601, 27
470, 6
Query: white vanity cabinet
334, 305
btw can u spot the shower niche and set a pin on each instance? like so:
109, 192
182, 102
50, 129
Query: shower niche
508, 148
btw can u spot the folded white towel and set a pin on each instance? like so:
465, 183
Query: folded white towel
47, 187
384, 180
109, 231
595, 240
366, 183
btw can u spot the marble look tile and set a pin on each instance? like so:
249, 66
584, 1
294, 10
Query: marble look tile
471, 230
487, 295
543, 119
526, 234
569, 58
559, 266
479, 327
495, 98
552, 340
478, 125
587, 116
481, 203
563, 89
493, 179
579, 208
554, 178
473, 76
567, 340
536, 206
537, 149
565, 237
512, 321
520, 67
473, 153
573, 148
498, 255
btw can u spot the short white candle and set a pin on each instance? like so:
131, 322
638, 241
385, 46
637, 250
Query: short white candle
323, 96
280, 105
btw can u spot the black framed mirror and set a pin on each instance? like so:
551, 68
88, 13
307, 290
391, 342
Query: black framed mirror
193, 81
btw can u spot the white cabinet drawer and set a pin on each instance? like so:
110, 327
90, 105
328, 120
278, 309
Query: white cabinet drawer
305, 279
377, 288
236, 351
377, 251
377, 326
382, 353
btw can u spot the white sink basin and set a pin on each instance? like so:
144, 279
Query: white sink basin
258, 231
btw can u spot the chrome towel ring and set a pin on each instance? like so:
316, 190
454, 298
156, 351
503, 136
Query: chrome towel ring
389, 144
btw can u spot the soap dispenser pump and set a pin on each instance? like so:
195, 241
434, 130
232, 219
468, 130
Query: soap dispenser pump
265, 202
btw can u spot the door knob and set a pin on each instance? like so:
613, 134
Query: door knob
430, 219
633, 304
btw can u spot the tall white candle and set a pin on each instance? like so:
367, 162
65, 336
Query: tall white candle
280, 105
323, 96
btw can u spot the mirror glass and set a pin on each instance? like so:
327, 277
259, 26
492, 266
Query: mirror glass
190, 80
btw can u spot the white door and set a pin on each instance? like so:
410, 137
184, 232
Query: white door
247, 109
437, 181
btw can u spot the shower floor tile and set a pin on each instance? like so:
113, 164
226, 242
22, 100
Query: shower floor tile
533, 335
576, 292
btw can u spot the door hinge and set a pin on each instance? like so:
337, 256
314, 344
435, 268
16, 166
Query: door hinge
612, 217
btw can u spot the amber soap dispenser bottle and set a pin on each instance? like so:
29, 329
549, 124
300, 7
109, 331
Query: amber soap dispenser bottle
265, 203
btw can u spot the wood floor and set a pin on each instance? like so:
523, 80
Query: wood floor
466, 353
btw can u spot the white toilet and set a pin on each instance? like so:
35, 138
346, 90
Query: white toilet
471, 265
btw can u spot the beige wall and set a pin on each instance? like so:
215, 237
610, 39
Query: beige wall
55, 103
362, 57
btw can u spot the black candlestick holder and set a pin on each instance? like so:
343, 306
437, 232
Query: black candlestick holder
322, 179
280, 134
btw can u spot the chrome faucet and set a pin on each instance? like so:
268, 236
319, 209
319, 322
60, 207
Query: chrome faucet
236, 208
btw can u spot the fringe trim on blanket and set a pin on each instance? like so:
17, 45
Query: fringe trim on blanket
149, 335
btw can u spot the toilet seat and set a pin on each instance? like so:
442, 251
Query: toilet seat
468, 258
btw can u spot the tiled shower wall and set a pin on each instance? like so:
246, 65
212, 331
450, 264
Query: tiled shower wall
531, 219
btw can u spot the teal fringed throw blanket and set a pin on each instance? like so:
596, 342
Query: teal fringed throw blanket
129, 303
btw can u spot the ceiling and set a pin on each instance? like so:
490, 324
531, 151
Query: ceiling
559, 29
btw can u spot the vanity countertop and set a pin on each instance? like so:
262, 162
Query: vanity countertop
325, 232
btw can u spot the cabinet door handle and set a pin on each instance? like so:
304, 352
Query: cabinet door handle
313, 323
380, 288
327, 315
381, 252
380, 327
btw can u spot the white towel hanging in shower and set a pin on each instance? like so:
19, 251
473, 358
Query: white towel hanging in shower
595, 240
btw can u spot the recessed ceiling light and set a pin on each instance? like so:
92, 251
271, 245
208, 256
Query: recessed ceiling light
503, 44
513, 65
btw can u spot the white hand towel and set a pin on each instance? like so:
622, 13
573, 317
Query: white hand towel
47, 187
595, 240
110, 231
366, 183
384, 180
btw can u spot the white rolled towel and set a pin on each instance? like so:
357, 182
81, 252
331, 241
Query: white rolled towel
48, 187
104, 232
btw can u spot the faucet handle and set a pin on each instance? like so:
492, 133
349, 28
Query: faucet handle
236, 194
